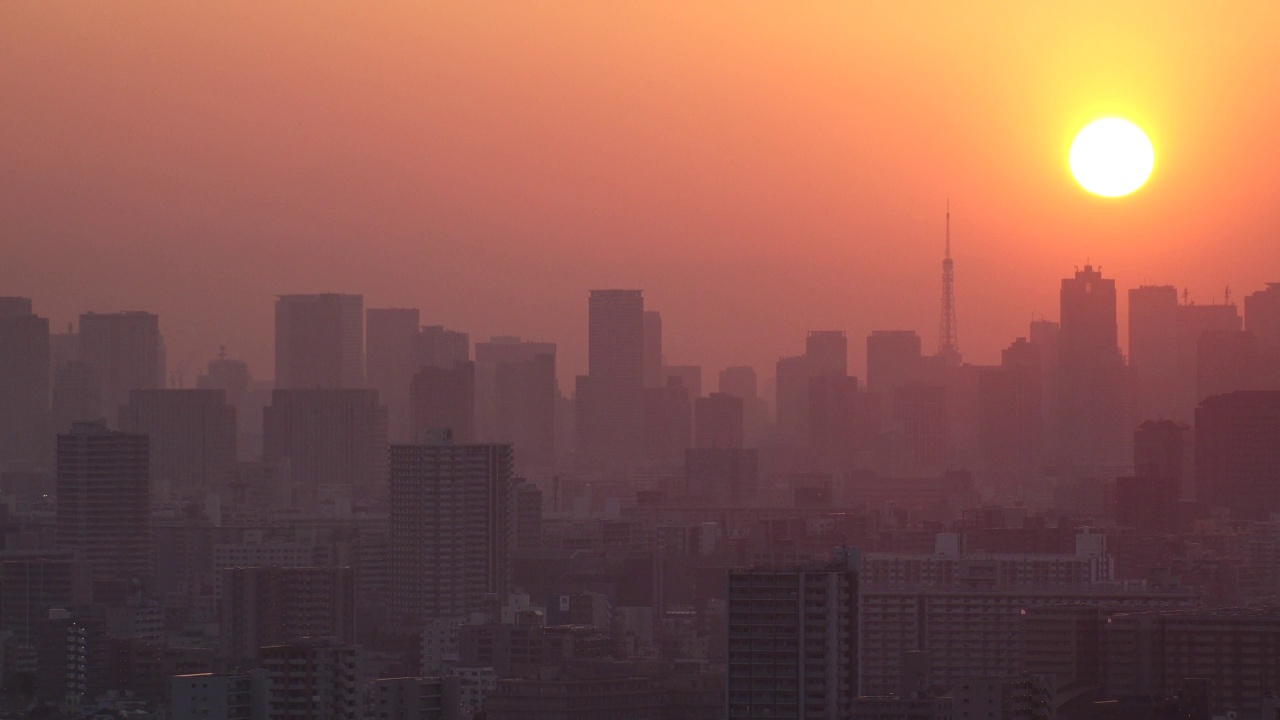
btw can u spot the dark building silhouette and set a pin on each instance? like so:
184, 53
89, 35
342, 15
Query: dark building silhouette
1162, 448
791, 401
610, 399
319, 341
1010, 415
1227, 361
263, 606
690, 377
443, 399
192, 436
516, 397
1237, 453
437, 346
893, 359
452, 529
390, 335
76, 395
718, 421
668, 422
653, 358
827, 353
919, 430
124, 351
721, 477
334, 439
1156, 340
1091, 392
741, 382
104, 503
835, 436
24, 384
1262, 317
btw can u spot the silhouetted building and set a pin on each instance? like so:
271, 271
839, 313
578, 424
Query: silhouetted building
516, 394
610, 399
893, 359
1227, 361
1162, 448
24, 384
1091, 397
319, 341
125, 352
791, 403
668, 422
1262, 317
717, 421
827, 353
919, 422
654, 377
192, 437
835, 437
439, 347
334, 440
104, 502
451, 529
741, 383
272, 605
690, 376
1147, 502
76, 395
390, 334
721, 476
793, 640
443, 399
1237, 453
1156, 348
1010, 415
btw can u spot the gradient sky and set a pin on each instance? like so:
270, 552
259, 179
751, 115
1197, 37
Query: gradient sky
759, 169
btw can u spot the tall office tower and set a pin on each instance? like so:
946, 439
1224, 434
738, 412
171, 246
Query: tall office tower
834, 437
24, 383
516, 397
919, 420
1227, 361
1162, 448
653, 359
192, 439
740, 382
1262, 317
610, 400
717, 421
893, 359
390, 334
1194, 322
76, 396
233, 378
436, 346
1044, 335
793, 640
271, 605
313, 678
791, 401
1237, 453
690, 377
125, 352
1091, 405
1155, 348
451, 530
319, 341
1010, 429
334, 439
443, 399
104, 502
721, 477
668, 422
827, 353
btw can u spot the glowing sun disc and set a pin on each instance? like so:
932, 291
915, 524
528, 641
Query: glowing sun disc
1111, 157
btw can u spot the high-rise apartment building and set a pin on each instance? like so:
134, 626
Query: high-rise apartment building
390, 334
24, 384
271, 605
319, 341
1237, 453
104, 501
793, 640
610, 399
212, 696
1091, 393
451, 529
192, 437
312, 679
124, 351
334, 438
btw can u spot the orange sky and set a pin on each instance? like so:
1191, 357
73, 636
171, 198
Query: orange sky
759, 169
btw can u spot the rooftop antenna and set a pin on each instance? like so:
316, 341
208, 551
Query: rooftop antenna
1227, 296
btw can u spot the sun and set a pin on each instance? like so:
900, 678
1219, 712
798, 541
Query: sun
1111, 157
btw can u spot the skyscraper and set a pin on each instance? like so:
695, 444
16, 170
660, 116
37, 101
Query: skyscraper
793, 640
389, 344
334, 439
438, 346
516, 394
451, 529
1155, 350
125, 352
610, 402
443, 399
827, 353
104, 502
717, 421
1010, 427
791, 401
893, 359
319, 341
1237, 453
24, 383
1262, 317
192, 439
1091, 393
653, 360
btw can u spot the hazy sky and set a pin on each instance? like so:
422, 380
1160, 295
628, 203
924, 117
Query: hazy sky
759, 169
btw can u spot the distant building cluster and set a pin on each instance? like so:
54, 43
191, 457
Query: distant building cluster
404, 524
